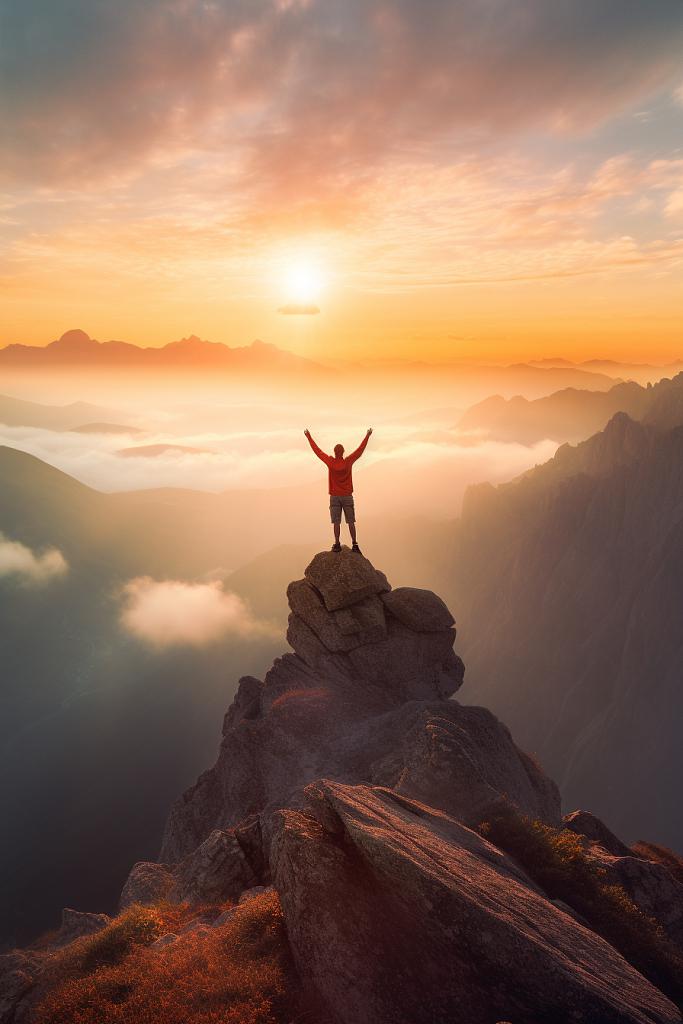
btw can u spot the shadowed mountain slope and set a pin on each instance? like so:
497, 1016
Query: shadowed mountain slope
568, 415
17, 412
573, 414
569, 586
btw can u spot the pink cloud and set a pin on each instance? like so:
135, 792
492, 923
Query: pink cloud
313, 92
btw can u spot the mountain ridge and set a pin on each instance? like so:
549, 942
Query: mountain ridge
77, 348
585, 550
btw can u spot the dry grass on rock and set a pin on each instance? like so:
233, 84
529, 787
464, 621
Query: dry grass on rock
235, 973
558, 862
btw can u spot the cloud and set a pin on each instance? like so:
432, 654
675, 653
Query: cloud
674, 203
19, 561
168, 613
437, 462
311, 92
298, 309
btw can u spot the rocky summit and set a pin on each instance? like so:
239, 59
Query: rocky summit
351, 781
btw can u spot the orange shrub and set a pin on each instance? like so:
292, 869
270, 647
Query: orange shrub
237, 973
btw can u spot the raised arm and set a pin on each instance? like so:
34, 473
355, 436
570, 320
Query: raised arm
318, 451
361, 447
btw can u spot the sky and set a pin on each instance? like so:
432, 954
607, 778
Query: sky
494, 179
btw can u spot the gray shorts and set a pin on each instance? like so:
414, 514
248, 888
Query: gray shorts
339, 502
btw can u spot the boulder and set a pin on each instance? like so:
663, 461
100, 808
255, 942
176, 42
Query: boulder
397, 914
364, 620
420, 610
404, 658
305, 641
307, 606
76, 923
344, 578
661, 855
216, 871
651, 886
341, 630
256, 890
147, 883
463, 761
586, 824
449, 675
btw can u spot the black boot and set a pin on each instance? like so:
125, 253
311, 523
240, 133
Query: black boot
336, 546
356, 549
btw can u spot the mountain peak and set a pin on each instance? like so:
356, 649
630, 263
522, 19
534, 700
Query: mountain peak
73, 341
370, 677
192, 341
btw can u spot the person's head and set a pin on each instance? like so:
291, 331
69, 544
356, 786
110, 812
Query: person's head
339, 451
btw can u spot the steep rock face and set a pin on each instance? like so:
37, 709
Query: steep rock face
575, 569
465, 936
364, 698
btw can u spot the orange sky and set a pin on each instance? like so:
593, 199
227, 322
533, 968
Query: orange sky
455, 187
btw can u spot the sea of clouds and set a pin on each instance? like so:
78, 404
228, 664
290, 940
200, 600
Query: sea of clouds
426, 467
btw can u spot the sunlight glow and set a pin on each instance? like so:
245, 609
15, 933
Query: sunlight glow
304, 281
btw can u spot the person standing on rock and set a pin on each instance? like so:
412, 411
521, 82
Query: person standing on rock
341, 486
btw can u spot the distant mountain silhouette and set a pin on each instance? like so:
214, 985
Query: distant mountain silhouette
455, 383
153, 451
568, 415
16, 412
76, 348
641, 372
105, 428
584, 555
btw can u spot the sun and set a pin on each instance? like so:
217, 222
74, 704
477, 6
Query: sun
304, 281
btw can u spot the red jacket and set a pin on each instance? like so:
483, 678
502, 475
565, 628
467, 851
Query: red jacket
340, 478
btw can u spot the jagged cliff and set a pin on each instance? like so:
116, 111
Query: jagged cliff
567, 584
351, 782
364, 698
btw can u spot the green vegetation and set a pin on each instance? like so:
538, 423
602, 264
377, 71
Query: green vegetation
557, 861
